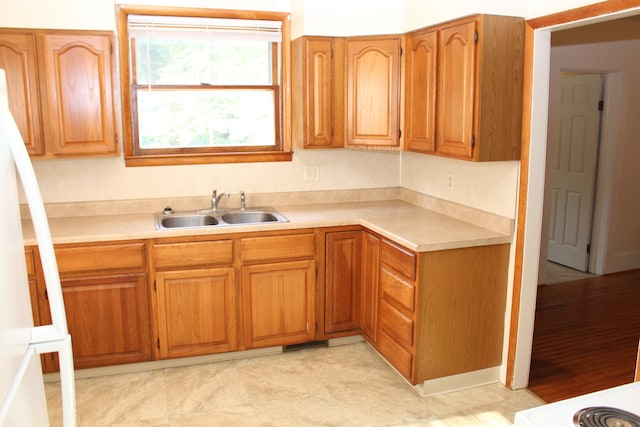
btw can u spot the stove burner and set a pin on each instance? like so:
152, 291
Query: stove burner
604, 416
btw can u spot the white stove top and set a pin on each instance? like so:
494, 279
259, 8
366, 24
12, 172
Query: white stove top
560, 414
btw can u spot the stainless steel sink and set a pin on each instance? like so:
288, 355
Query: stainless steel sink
185, 220
220, 218
244, 217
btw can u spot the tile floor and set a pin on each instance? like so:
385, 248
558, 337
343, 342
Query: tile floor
556, 273
348, 385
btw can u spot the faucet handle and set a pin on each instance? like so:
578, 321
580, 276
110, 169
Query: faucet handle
243, 204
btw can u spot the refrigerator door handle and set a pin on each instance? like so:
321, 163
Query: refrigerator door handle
55, 337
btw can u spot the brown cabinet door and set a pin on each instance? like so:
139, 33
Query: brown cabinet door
196, 312
370, 275
373, 96
319, 93
18, 60
456, 90
342, 281
79, 104
420, 93
279, 303
108, 319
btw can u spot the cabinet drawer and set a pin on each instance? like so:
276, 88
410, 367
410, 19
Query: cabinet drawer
397, 289
396, 324
287, 246
400, 358
168, 255
126, 256
399, 258
31, 262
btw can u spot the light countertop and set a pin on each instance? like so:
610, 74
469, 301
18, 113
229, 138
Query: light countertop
414, 227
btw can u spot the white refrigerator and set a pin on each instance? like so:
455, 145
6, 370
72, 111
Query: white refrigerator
22, 396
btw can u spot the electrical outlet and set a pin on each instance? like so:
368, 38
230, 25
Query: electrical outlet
311, 173
450, 181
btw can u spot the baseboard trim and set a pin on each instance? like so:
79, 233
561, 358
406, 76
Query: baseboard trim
165, 363
352, 339
458, 382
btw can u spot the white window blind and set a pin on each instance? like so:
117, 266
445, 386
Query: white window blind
216, 28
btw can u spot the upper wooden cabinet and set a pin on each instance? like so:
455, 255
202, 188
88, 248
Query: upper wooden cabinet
373, 91
18, 59
61, 90
466, 77
318, 91
420, 99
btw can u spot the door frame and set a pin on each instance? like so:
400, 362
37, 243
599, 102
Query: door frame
532, 173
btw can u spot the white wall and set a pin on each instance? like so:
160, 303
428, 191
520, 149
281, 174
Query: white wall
491, 185
75, 180
106, 178
546, 7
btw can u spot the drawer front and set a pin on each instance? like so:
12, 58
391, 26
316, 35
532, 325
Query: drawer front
125, 256
31, 262
400, 358
288, 246
399, 258
181, 255
397, 289
395, 324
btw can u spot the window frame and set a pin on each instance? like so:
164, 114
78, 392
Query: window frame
134, 156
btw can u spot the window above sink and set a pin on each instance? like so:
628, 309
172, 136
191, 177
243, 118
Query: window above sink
204, 85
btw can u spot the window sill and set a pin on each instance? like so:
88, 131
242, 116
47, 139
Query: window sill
199, 159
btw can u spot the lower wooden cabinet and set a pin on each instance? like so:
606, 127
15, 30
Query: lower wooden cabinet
343, 254
197, 312
196, 297
279, 303
108, 319
434, 314
106, 298
369, 288
430, 314
278, 288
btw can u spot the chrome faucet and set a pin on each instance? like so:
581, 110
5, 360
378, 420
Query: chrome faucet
215, 199
243, 204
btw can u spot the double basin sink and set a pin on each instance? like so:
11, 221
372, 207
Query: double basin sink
220, 218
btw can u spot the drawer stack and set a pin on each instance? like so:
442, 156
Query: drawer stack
397, 306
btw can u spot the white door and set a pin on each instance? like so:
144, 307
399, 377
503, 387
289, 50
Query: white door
574, 169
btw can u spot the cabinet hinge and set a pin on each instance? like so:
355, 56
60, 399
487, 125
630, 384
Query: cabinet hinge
399, 133
110, 48
475, 37
46, 294
600, 105
401, 51
158, 343
116, 138
589, 248
331, 53
473, 141
155, 287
